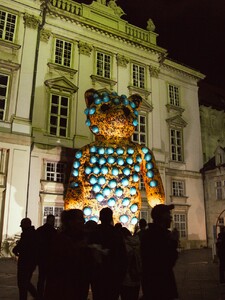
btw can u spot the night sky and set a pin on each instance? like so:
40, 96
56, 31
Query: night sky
192, 31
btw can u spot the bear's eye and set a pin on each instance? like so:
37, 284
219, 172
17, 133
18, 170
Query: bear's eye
104, 107
126, 111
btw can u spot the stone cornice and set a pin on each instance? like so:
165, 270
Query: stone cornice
9, 65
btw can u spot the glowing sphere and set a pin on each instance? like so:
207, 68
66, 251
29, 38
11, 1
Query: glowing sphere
134, 208
106, 191
104, 170
119, 192
137, 168
135, 177
153, 183
88, 122
96, 170
149, 166
111, 202
94, 218
75, 172
126, 101
129, 160
87, 211
145, 150
74, 184
112, 183
106, 99
130, 150
120, 161
102, 160
101, 150
93, 159
99, 197
86, 111
93, 179
150, 174
111, 160
148, 157
93, 149
119, 151
88, 170
101, 180
126, 171
125, 182
78, 154
92, 110
94, 129
98, 101
124, 219
133, 191
76, 164
134, 221
116, 101
135, 122
109, 150
115, 171
139, 159
126, 201
96, 188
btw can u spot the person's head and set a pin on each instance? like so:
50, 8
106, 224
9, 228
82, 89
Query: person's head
106, 216
25, 223
50, 220
161, 214
72, 220
142, 224
125, 232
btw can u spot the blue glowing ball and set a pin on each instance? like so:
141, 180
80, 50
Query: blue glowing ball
93, 159
74, 185
92, 110
133, 191
101, 150
75, 173
96, 188
153, 183
78, 154
125, 182
120, 161
95, 129
126, 171
119, 151
88, 170
86, 111
102, 160
139, 159
98, 101
109, 150
93, 149
112, 183
134, 221
148, 157
111, 160
129, 160
93, 179
130, 150
126, 101
87, 211
76, 164
95, 96
135, 177
136, 112
132, 104
111, 202
96, 170
119, 192
150, 174
149, 166
101, 180
116, 101
126, 201
145, 150
104, 170
106, 99
99, 197
94, 218
106, 191
124, 219
134, 208
88, 122
137, 168
115, 171
135, 122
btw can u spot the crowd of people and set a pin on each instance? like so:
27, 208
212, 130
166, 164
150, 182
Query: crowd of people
106, 258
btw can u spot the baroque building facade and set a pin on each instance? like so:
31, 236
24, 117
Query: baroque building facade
212, 114
52, 51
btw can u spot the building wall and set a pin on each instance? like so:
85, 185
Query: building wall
90, 29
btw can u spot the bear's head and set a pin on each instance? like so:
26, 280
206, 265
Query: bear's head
110, 115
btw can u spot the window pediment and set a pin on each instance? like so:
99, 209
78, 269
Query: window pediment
146, 106
177, 121
61, 84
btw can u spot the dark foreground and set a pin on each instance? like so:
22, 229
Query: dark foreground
196, 275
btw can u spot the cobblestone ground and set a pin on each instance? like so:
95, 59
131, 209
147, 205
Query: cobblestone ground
196, 276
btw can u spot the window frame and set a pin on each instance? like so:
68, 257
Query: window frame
55, 174
174, 96
178, 188
5, 25
178, 224
140, 83
174, 155
6, 95
219, 190
58, 115
51, 209
103, 70
63, 56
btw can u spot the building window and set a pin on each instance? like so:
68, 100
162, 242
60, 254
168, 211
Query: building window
221, 221
104, 62
63, 53
4, 84
58, 117
180, 224
219, 190
140, 133
53, 210
174, 95
7, 26
176, 147
138, 76
55, 171
178, 188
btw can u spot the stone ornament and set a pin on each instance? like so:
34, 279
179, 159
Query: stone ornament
85, 48
31, 21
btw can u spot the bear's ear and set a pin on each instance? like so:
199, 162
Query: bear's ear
89, 96
137, 99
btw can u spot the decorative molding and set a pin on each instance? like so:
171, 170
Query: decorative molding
117, 9
177, 121
63, 69
61, 84
154, 71
110, 82
9, 45
9, 65
146, 106
171, 107
143, 92
85, 48
45, 35
122, 61
31, 21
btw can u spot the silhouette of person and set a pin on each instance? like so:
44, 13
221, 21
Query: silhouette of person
67, 259
131, 284
26, 250
220, 245
111, 259
159, 255
142, 226
45, 234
